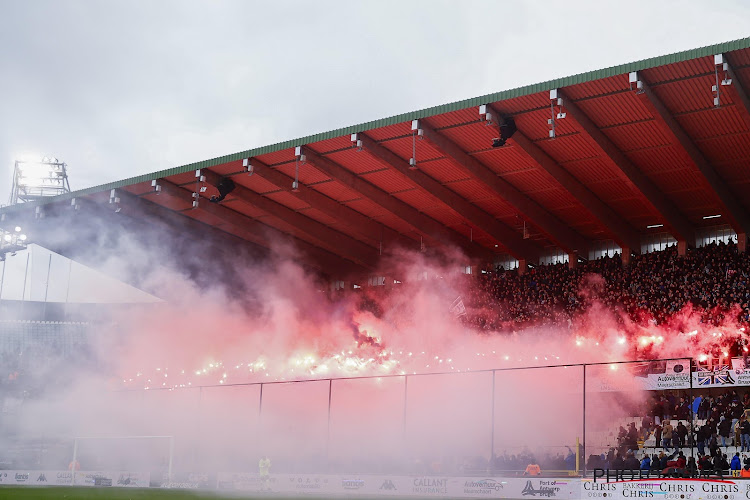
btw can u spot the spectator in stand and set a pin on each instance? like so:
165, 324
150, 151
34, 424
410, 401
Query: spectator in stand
631, 463
646, 463
657, 434
703, 408
695, 407
705, 464
745, 434
682, 410
701, 438
680, 435
713, 445
666, 434
736, 462
656, 462
721, 465
725, 429
692, 467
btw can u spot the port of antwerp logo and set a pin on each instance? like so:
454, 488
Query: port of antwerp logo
542, 491
388, 485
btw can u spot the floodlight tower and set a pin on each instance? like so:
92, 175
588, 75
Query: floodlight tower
33, 180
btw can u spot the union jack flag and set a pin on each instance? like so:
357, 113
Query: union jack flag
723, 377
705, 376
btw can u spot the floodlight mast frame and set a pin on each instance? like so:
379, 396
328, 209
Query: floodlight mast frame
53, 182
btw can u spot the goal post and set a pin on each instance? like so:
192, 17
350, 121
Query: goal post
82, 439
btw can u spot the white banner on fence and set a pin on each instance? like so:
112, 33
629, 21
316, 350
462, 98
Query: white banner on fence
392, 485
121, 479
669, 489
419, 486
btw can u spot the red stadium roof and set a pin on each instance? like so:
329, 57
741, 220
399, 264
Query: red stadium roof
634, 145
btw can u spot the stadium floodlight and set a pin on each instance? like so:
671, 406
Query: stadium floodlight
711, 216
35, 177
247, 166
357, 141
300, 159
12, 242
416, 132
652, 226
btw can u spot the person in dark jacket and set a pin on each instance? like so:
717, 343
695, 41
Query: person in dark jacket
618, 463
632, 463
657, 434
721, 466
681, 433
745, 434
664, 460
725, 428
700, 438
682, 410
646, 462
655, 463
713, 445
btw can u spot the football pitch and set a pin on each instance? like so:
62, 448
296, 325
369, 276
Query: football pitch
88, 493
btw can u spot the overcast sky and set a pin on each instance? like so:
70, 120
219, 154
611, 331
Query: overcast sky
118, 89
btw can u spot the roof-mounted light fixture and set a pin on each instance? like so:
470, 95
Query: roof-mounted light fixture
357, 142
635, 82
720, 67
200, 187
74, 205
654, 226
415, 132
39, 213
556, 109
711, 216
300, 159
115, 200
156, 186
247, 166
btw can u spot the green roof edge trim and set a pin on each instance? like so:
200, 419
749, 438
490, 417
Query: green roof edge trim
652, 62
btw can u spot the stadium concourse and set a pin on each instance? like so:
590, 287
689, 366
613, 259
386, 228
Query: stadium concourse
618, 194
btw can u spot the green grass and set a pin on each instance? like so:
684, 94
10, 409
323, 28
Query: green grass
94, 493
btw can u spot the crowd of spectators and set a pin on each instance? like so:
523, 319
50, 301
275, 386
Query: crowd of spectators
714, 280
696, 435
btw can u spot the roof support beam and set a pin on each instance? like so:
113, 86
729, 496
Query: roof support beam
739, 93
511, 239
267, 236
678, 224
330, 239
734, 211
419, 221
554, 228
353, 220
622, 233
